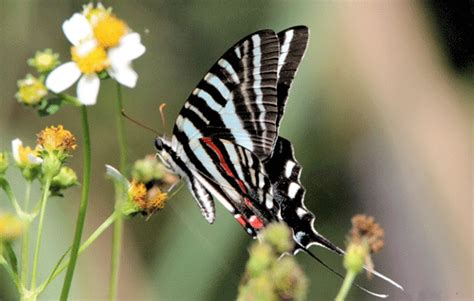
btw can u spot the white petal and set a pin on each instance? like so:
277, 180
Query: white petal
129, 49
88, 89
124, 74
34, 160
132, 51
116, 176
16, 143
132, 37
77, 28
63, 77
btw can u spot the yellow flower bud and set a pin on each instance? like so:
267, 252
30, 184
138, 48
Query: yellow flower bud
31, 90
44, 61
11, 227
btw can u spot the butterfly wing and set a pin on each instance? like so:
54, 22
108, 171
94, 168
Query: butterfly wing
237, 99
237, 178
284, 174
293, 42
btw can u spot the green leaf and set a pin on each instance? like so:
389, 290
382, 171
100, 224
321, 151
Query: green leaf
50, 106
11, 257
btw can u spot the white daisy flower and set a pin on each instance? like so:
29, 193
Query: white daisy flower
24, 156
101, 42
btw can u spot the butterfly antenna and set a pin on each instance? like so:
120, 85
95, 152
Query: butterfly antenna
139, 123
162, 114
340, 275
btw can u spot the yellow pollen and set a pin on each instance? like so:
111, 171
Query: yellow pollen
109, 30
137, 192
156, 199
57, 138
93, 62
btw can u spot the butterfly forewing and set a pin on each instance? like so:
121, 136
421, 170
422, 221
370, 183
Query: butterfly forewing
293, 42
237, 98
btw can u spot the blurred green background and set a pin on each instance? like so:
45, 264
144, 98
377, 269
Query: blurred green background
380, 115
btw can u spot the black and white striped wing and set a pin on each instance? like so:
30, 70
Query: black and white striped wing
284, 173
293, 42
243, 96
237, 178
237, 99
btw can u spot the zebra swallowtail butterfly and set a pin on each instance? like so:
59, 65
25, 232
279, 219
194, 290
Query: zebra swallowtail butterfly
225, 142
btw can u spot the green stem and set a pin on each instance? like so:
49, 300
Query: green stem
346, 285
11, 196
25, 242
82, 207
118, 225
98, 232
44, 200
10, 272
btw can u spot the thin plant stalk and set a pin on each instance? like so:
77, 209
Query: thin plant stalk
346, 285
11, 196
25, 242
118, 225
98, 232
83, 205
44, 200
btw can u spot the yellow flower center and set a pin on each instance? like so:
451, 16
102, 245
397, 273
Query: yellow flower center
156, 199
31, 91
109, 30
57, 138
24, 152
137, 192
45, 59
148, 201
93, 61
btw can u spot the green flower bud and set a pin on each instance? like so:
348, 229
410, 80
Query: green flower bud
51, 165
30, 172
64, 179
44, 61
258, 289
278, 235
290, 281
354, 258
31, 91
3, 163
261, 258
148, 169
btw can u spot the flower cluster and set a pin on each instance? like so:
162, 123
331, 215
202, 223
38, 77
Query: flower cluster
266, 276
102, 45
145, 192
47, 158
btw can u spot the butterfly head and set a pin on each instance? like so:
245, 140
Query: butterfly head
164, 151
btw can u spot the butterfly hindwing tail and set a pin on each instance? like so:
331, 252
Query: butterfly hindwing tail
284, 172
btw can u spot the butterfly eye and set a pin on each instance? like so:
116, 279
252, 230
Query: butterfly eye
159, 144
